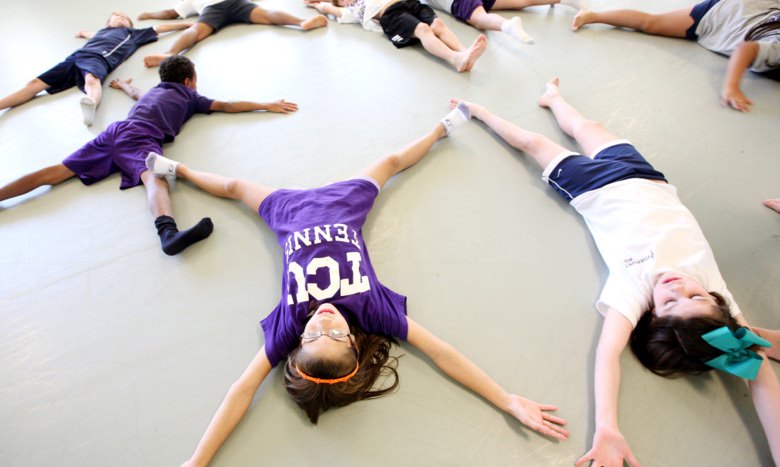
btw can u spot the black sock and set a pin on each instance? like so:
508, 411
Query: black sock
173, 241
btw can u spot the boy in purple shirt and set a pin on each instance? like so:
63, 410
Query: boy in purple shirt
87, 67
155, 119
335, 321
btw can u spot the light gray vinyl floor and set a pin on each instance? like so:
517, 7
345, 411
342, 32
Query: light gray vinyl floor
113, 354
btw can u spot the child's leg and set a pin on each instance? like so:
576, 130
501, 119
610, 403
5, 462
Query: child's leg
773, 336
389, 165
93, 87
446, 35
53, 175
462, 60
671, 24
263, 16
520, 4
588, 133
541, 148
773, 204
172, 240
250, 193
486, 21
23, 95
186, 40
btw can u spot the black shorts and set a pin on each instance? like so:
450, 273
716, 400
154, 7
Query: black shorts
400, 20
71, 72
227, 12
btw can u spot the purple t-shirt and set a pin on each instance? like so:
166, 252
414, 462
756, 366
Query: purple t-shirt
168, 106
115, 45
325, 260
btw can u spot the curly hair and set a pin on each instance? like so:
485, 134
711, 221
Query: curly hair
176, 68
671, 346
373, 353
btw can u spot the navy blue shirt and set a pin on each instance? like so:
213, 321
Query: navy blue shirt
115, 45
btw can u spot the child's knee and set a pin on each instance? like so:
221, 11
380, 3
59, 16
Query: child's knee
438, 26
91, 80
422, 29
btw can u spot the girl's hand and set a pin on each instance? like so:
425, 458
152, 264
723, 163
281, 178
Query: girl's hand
117, 83
536, 417
734, 98
610, 449
282, 106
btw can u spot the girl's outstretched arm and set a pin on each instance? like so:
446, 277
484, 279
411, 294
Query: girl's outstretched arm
610, 448
465, 372
765, 391
731, 95
232, 409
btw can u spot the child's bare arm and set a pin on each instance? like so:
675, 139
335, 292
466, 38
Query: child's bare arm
326, 8
162, 28
280, 106
127, 87
464, 371
232, 409
731, 94
164, 14
765, 391
609, 445
85, 34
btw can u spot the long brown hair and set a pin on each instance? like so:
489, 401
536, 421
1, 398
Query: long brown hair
671, 346
373, 353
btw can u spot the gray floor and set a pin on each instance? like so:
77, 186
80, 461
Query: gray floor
112, 353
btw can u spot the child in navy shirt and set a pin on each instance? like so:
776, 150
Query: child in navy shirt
335, 322
155, 119
88, 67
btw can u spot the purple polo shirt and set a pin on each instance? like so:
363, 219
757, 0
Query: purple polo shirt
326, 261
168, 106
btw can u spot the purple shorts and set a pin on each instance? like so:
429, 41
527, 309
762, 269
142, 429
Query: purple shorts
122, 147
463, 9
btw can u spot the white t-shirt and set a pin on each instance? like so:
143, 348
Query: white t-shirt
643, 230
363, 12
444, 5
187, 8
723, 28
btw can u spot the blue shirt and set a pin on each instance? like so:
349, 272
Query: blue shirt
115, 45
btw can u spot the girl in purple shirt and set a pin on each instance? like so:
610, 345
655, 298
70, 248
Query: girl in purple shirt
335, 321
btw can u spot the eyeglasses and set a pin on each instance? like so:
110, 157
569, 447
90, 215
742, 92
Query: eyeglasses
336, 334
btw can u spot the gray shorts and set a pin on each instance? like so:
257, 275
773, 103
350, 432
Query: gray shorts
227, 12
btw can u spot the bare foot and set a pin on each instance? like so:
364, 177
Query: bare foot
582, 18
551, 92
468, 57
773, 204
474, 109
151, 61
318, 21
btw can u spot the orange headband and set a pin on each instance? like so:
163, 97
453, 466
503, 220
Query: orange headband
327, 381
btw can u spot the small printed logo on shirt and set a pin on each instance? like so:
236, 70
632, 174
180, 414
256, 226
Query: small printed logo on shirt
559, 173
396, 38
631, 261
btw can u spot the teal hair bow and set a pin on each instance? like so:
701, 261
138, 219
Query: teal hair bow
737, 358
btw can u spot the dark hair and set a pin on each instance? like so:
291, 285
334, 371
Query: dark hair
372, 350
176, 68
672, 346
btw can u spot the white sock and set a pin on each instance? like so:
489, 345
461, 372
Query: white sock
457, 117
160, 165
88, 107
514, 27
576, 4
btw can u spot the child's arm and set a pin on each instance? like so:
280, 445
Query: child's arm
164, 14
232, 409
765, 391
731, 94
326, 8
280, 106
609, 445
126, 86
85, 34
465, 372
161, 28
